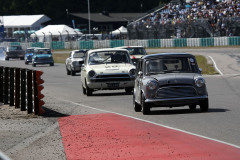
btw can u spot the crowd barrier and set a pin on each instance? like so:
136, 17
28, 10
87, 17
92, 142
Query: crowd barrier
149, 43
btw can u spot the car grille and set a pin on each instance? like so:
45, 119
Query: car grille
110, 78
176, 92
43, 59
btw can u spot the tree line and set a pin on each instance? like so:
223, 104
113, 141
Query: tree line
59, 8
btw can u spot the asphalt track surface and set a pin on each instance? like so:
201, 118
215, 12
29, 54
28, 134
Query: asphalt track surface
104, 126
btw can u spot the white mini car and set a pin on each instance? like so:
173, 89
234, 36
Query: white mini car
107, 69
74, 61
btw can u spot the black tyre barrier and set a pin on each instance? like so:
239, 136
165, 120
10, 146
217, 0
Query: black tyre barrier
22, 88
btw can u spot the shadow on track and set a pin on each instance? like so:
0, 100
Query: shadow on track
185, 111
110, 94
52, 113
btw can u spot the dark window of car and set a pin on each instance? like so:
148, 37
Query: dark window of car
29, 50
108, 57
171, 65
43, 51
13, 48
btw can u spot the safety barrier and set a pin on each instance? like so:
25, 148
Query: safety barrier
149, 43
22, 88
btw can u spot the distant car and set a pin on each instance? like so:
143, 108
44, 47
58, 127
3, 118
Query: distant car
169, 80
2, 51
74, 61
42, 56
136, 52
14, 52
107, 69
29, 54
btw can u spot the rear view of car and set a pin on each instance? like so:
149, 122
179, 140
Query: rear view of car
14, 52
42, 56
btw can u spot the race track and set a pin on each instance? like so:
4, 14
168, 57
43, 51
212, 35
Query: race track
66, 104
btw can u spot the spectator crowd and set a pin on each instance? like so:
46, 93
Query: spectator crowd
218, 13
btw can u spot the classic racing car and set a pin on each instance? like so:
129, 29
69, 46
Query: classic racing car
42, 56
109, 68
29, 54
74, 61
14, 51
169, 80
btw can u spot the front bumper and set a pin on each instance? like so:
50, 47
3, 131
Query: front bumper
175, 102
43, 62
110, 85
14, 56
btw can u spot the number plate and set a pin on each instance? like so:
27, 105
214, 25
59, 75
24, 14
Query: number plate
113, 85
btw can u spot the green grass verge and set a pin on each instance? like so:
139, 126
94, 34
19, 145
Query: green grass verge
206, 68
201, 60
60, 58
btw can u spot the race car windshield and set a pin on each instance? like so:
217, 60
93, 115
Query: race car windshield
171, 65
43, 51
13, 48
108, 57
30, 50
78, 55
136, 51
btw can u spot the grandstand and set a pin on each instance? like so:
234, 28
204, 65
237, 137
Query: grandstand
191, 19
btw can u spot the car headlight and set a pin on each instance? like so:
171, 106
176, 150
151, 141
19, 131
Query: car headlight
132, 72
91, 73
152, 84
199, 82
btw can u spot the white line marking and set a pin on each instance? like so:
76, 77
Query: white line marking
82, 105
215, 65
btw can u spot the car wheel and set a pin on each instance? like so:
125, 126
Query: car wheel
26, 62
192, 107
34, 65
128, 90
72, 73
51, 64
84, 90
22, 58
88, 90
145, 107
204, 105
68, 72
136, 106
6, 58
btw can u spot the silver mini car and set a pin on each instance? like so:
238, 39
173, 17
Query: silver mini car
169, 80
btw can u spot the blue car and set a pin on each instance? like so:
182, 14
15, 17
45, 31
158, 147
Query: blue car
28, 55
42, 56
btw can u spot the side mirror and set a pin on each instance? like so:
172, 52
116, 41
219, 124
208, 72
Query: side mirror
200, 69
140, 73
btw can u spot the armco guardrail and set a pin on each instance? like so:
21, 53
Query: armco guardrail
148, 43
22, 88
